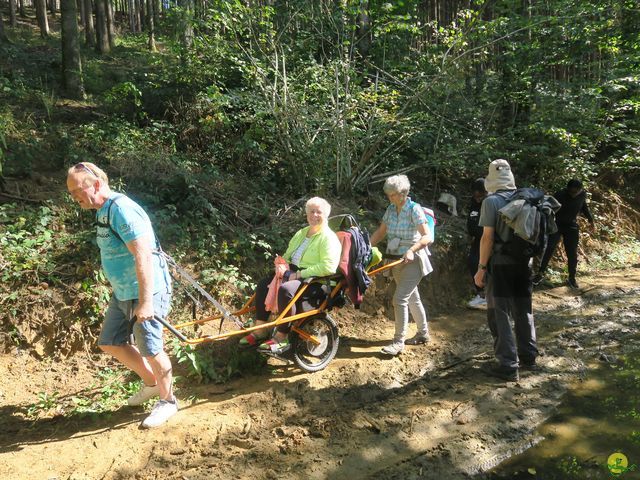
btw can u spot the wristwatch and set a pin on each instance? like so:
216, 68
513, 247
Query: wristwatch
482, 267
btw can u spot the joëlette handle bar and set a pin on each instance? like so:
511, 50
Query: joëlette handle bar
279, 320
164, 323
385, 267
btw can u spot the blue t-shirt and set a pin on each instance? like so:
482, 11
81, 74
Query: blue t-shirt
131, 222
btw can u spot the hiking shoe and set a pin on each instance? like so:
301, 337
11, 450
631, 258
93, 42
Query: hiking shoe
144, 394
274, 346
477, 302
162, 411
393, 349
537, 278
530, 366
253, 339
572, 283
498, 371
418, 339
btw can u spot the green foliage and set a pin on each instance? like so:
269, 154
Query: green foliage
569, 467
205, 365
43, 405
94, 295
107, 394
25, 239
126, 99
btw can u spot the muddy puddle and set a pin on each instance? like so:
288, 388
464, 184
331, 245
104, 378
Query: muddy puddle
595, 433
598, 419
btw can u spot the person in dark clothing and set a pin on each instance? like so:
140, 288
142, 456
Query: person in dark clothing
508, 281
574, 201
478, 194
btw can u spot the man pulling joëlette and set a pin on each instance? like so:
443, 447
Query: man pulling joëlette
141, 287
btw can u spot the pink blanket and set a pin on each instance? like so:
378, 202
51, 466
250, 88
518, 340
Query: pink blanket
271, 302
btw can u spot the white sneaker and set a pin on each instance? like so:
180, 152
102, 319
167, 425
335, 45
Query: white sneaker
393, 349
477, 302
162, 411
144, 394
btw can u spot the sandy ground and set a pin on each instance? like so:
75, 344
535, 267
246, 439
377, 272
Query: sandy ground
429, 413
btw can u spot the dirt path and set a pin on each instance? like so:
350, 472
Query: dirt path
427, 414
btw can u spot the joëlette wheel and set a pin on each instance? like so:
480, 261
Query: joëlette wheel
315, 353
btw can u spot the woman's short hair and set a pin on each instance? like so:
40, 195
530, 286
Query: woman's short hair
318, 202
87, 172
397, 184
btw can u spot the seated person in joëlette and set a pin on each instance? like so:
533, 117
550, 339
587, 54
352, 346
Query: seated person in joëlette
314, 251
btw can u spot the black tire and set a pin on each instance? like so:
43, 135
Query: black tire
310, 356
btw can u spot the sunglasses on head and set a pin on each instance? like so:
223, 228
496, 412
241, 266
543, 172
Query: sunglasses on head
81, 166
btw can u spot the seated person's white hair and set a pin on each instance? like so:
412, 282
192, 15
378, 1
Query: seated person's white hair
318, 202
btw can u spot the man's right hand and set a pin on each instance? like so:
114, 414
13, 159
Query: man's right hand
479, 278
144, 311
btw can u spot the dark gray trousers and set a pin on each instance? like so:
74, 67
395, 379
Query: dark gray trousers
509, 291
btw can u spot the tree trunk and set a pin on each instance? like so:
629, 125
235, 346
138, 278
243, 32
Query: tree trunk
89, 31
53, 6
102, 32
138, 15
111, 24
187, 23
3, 36
151, 26
13, 21
156, 12
21, 9
80, 9
363, 41
71, 63
132, 16
41, 16
143, 13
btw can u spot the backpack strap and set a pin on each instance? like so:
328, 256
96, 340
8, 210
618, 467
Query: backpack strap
108, 222
507, 195
158, 249
429, 215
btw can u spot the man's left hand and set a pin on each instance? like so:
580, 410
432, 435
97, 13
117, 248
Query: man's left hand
144, 311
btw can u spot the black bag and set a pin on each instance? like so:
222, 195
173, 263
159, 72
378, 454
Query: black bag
521, 248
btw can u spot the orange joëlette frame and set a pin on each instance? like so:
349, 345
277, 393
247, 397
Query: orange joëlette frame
280, 319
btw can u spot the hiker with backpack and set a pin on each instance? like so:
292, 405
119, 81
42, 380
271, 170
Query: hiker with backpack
141, 287
314, 251
574, 202
478, 194
408, 236
507, 277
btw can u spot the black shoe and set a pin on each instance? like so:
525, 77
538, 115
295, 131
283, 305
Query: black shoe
572, 283
494, 370
530, 366
417, 339
537, 278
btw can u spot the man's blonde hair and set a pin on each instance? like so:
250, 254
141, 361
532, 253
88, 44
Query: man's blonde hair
88, 171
